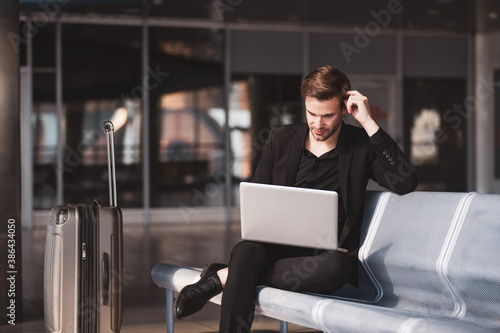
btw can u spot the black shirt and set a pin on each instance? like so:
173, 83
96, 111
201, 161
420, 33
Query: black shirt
321, 173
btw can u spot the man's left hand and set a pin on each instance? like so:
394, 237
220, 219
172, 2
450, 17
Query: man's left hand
358, 106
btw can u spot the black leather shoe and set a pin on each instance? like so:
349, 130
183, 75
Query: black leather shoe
192, 298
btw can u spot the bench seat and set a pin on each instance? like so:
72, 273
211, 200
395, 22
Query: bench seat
428, 263
320, 312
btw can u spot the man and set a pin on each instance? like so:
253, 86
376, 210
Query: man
323, 154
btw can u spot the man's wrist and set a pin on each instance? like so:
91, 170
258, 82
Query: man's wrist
371, 127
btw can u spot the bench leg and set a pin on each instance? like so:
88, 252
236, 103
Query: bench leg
283, 326
170, 309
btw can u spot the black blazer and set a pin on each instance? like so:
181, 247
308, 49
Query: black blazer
360, 158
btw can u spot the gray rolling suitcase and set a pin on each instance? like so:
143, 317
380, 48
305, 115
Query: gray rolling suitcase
83, 272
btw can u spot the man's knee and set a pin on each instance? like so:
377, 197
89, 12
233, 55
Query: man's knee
247, 250
248, 254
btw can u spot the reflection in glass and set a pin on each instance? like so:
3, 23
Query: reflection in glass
191, 143
102, 80
187, 153
45, 141
126, 120
424, 149
240, 121
434, 132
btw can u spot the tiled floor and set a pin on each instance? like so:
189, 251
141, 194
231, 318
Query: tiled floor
193, 244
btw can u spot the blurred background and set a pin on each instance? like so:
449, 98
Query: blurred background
194, 86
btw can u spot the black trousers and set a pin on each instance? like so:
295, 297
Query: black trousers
280, 266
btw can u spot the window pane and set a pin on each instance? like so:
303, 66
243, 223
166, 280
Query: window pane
496, 87
188, 156
102, 80
44, 56
271, 100
45, 141
435, 117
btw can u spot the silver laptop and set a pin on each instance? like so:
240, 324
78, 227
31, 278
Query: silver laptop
289, 215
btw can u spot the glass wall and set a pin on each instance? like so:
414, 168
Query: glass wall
45, 119
496, 89
101, 80
186, 132
436, 133
240, 123
272, 100
184, 79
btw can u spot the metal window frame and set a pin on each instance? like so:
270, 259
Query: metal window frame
146, 22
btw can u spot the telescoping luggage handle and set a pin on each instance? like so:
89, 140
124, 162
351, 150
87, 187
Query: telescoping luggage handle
109, 128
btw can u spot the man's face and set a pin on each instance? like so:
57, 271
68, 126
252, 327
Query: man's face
324, 117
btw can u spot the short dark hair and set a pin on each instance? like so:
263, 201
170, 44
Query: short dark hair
325, 83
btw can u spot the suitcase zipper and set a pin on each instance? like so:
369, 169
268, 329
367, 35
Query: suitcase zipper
88, 272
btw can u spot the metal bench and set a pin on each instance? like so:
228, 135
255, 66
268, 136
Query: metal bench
428, 264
